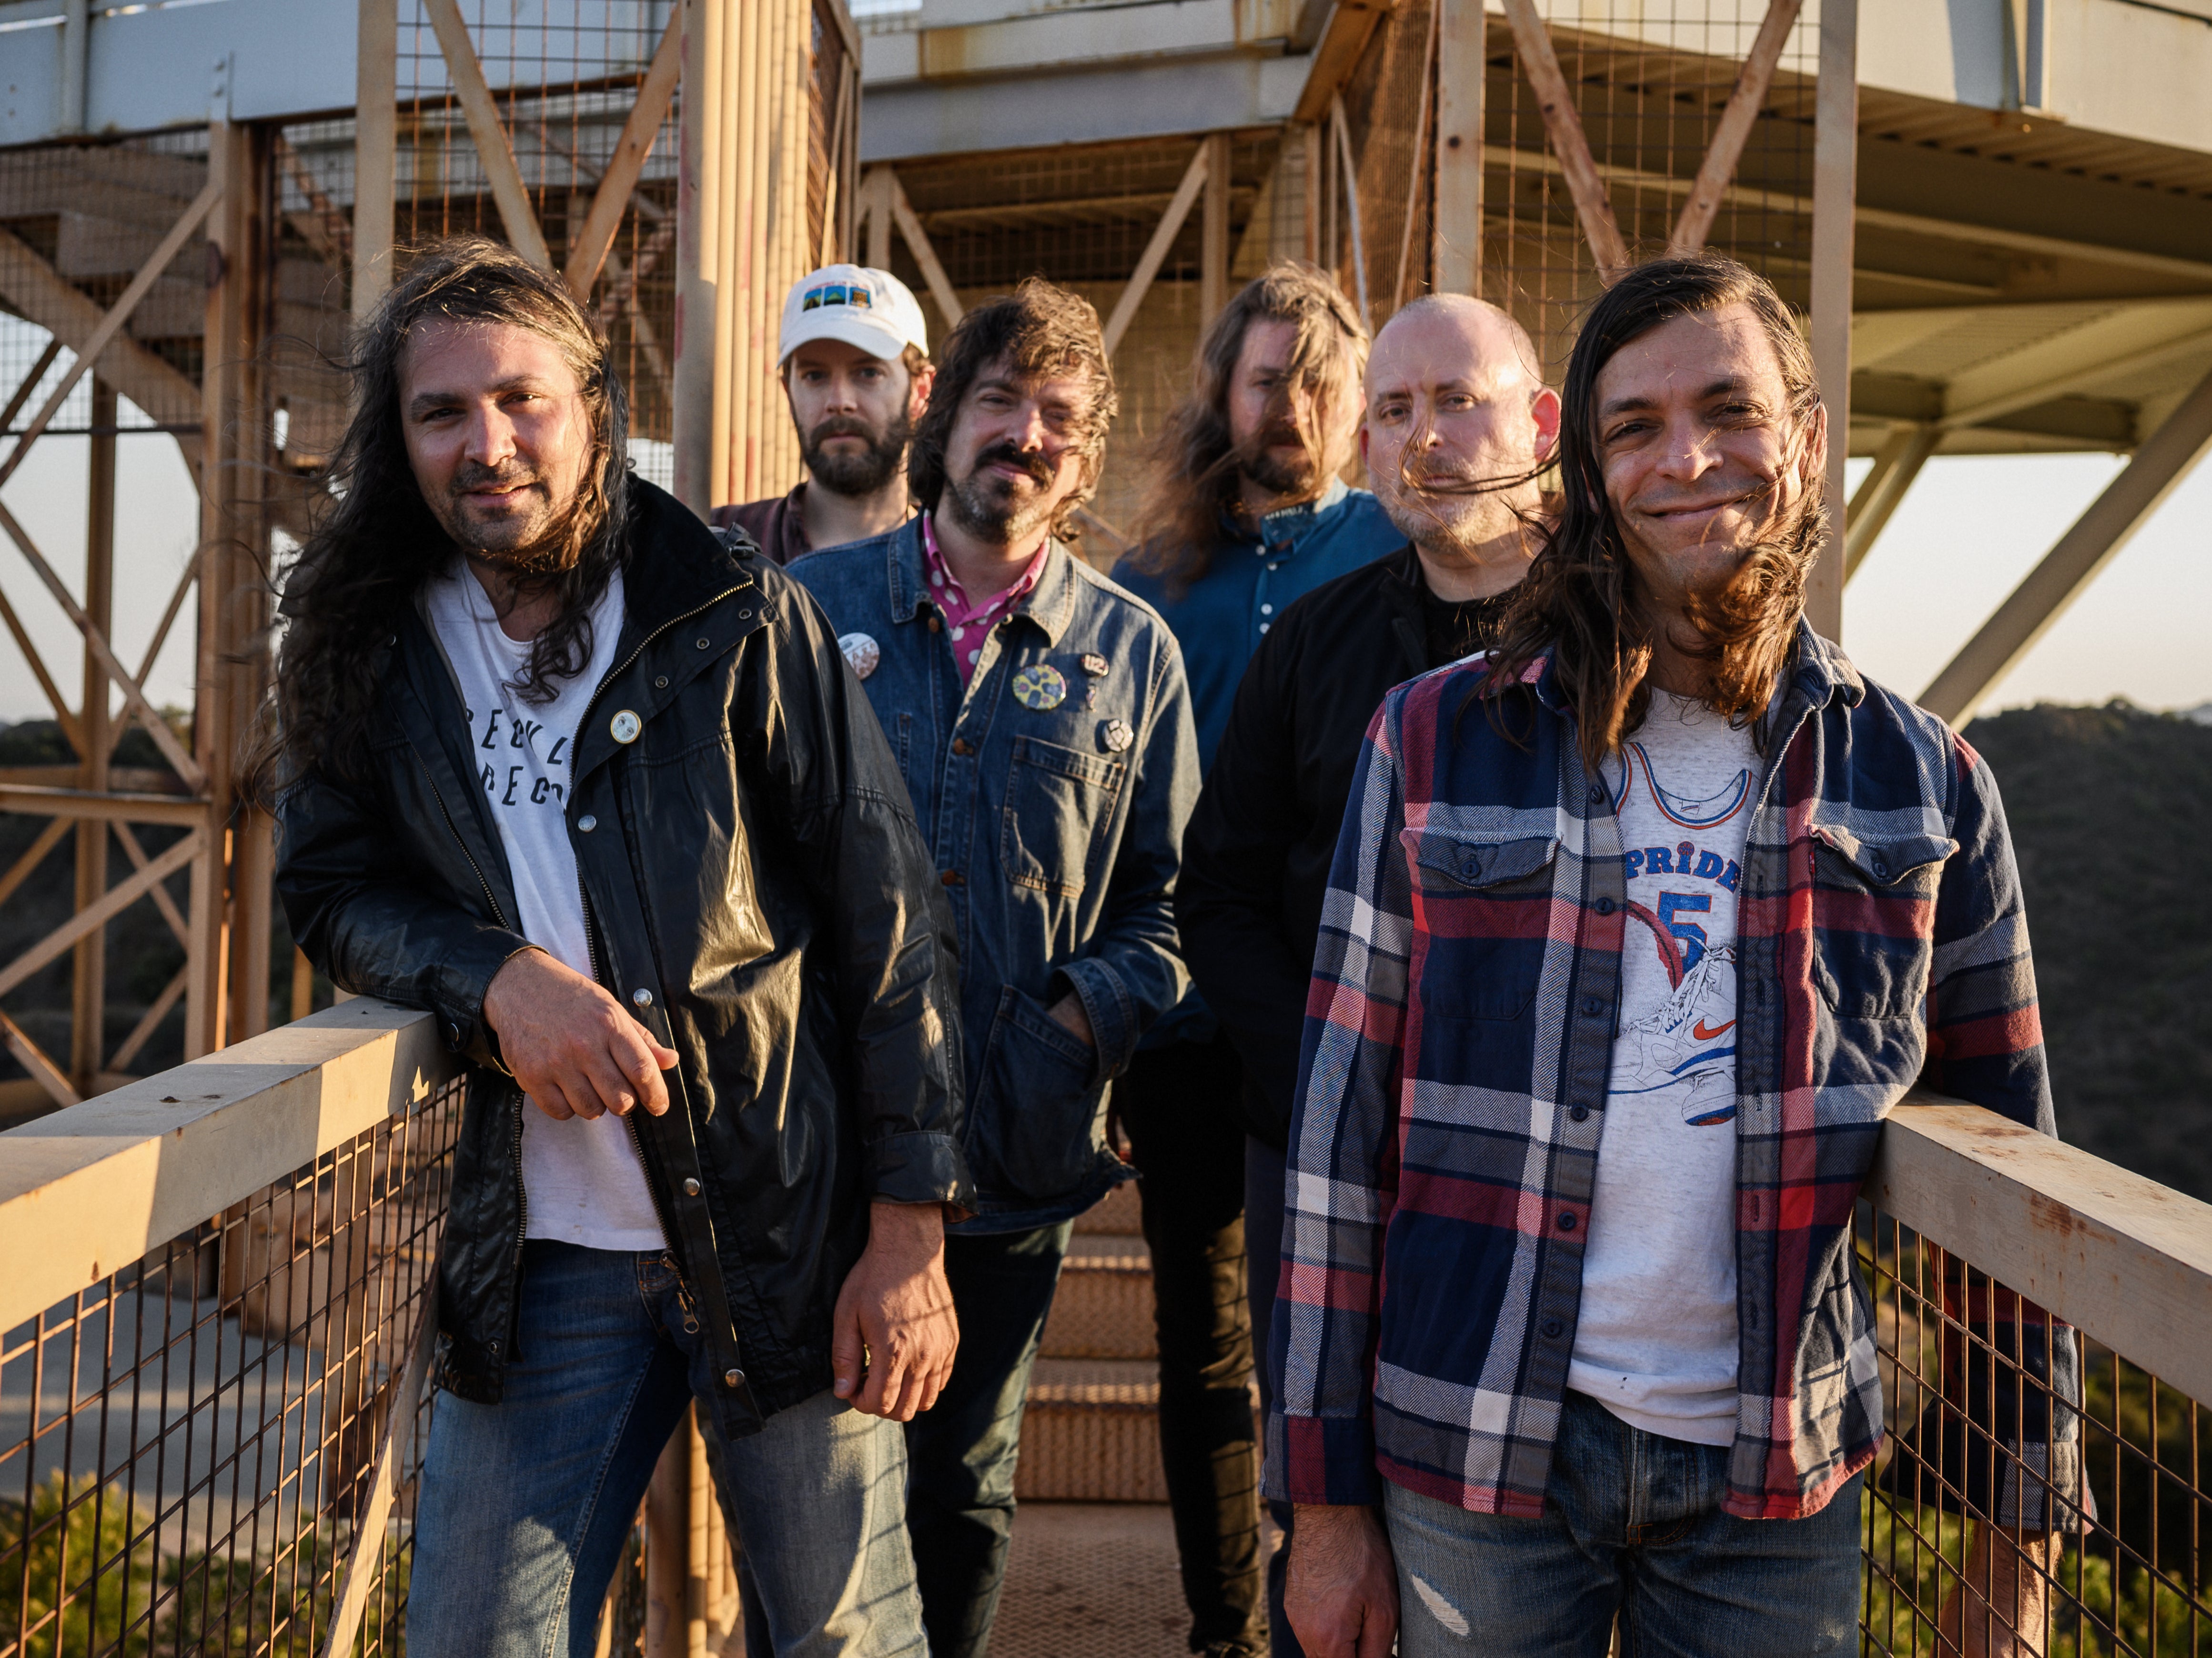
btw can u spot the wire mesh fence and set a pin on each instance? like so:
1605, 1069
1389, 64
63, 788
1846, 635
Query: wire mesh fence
2116, 1513
191, 1448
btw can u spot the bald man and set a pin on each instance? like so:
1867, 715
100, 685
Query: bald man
1457, 426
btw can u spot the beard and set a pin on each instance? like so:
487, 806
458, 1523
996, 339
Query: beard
996, 508
527, 547
1445, 510
1259, 459
857, 474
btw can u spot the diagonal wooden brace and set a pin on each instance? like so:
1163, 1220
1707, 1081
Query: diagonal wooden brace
33, 1058
1592, 205
592, 242
1726, 149
117, 898
493, 147
1156, 250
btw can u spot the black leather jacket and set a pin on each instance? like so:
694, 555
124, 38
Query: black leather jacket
749, 863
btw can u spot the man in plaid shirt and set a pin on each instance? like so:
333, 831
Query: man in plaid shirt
1636, 932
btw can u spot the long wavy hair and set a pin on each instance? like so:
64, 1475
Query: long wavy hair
1192, 477
1039, 330
379, 542
1582, 599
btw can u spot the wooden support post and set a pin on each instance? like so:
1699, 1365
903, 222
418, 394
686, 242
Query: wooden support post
1593, 207
1726, 148
1348, 175
1213, 258
667, 1547
1422, 162
877, 188
88, 998
1309, 140
925, 255
1456, 259
2095, 539
1882, 490
697, 175
1835, 188
376, 151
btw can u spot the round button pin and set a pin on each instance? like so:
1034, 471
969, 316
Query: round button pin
1115, 736
862, 653
625, 725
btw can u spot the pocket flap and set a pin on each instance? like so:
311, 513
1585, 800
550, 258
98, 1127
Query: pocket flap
1448, 861
1885, 861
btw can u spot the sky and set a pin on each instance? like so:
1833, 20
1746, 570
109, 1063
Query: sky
1971, 527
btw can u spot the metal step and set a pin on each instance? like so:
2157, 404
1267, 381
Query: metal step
1103, 1307
1091, 1433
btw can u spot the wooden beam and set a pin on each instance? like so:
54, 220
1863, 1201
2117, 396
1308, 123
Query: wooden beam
1213, 257
162, 902
876, 202
63, 715
589, 250
94, 638
1348, 172
1456, 255
1420, 158
1835, 189
1736, 121
493, 147
1592, 205
2057, 386
375, 151
1156, 250
1883, 491
1343, 41
834, 206
365, 1563
917, 243
2096, 538
40, 800
44, 1072
23, 867
33, 287
118, 897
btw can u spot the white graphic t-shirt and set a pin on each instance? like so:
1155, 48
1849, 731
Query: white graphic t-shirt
582, 1182
1656, 1342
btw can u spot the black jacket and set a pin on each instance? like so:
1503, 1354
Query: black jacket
1256, 856
750, 861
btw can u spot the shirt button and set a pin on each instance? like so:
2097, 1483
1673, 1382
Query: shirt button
1264, 626
1566, 1222
1469, 867
587, 824
1551, 1328
962, 745
1579, 1112
1593, 1006
935, 626
1605, 906
1881, 868
952, 878
691, 1187
1267, 609
1597, 792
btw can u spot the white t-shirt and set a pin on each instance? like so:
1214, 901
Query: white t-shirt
1656, 1342
582, 1180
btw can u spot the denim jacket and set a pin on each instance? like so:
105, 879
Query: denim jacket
1056, 819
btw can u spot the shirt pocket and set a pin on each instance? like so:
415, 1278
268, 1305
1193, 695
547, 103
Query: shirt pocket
1873, 920
1058, 802
1481, 905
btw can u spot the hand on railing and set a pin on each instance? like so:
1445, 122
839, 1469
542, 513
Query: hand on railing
575, 1049
1997, 1608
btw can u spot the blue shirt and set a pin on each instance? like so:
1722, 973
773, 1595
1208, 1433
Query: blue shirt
1052, 788
1250, 581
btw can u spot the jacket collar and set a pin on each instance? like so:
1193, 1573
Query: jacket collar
1051, 604
1287, 525
676, 564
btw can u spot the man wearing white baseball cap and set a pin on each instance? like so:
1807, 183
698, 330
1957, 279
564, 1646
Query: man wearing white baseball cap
855, 360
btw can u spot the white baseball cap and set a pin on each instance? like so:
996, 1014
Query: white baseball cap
870, 310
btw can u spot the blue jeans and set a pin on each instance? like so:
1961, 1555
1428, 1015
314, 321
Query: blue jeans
526, 1504
960, 1501
1631, 1525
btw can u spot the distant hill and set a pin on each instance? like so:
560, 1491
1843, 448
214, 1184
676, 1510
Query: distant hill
2111, 811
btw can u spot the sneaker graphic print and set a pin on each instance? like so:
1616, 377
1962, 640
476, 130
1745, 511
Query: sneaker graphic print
1682, 828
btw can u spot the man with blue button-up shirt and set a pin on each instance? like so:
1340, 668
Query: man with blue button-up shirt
1041, 721
1247, 513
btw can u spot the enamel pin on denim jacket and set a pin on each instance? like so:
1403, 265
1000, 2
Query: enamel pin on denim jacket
1053, 790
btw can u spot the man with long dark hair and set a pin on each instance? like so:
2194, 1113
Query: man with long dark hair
1245, 511
1458, 426
1040, 714
1636, 930
559, 764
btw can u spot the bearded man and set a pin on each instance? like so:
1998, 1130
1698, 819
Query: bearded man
1246, 513
1040, 716
559, 764
1458, 426
1637, 930
854, 363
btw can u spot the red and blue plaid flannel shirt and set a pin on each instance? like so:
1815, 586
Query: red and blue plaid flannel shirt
1459, 1035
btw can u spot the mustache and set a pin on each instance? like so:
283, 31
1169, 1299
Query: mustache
475, 475
844, 425
1034, 467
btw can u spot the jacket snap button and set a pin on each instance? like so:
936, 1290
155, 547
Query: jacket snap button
661, 682
744, 615
733, 1378
587, 824
1551, 1328
691, 1187
642, 996
701, 643
1605, 906
1566, 1222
